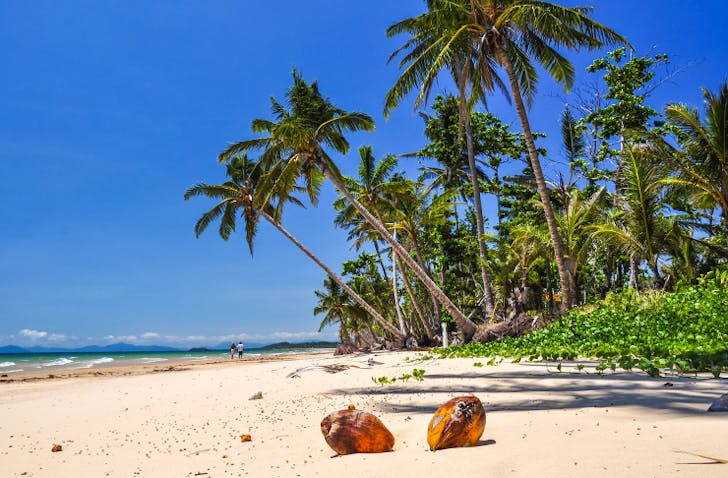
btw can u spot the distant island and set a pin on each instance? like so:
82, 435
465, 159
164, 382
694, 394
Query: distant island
300, 345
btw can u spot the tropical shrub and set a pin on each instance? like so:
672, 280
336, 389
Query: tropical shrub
686, 330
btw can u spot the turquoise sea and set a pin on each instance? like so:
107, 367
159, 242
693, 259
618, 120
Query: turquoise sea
15, 364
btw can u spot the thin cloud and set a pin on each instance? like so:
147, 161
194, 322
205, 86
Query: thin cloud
32, 334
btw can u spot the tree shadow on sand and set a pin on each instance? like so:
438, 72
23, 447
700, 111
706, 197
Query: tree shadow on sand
525, 391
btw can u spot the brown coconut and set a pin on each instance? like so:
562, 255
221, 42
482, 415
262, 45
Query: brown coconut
458, 423
355, 431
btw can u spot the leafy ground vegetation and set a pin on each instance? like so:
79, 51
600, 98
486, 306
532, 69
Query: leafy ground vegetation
684, 331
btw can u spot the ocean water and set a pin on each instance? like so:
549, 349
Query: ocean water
21, 364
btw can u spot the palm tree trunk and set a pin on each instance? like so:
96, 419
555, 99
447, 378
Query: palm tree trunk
380, 260
466, 326
415, 302
395, 292
488, 291
375, 315
633, 265
566, 286
608, 266
656, 278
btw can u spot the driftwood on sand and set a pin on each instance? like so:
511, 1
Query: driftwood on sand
513, 327
333, 368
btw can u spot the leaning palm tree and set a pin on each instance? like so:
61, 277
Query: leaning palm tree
296, 142
375, 189
704, 163
240, 195
474, 38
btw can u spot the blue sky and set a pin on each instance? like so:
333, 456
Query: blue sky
111, 109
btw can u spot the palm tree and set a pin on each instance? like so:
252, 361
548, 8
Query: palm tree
295, 142
574, 225
527, 249
337, 308
704, 165
413, 213
334, 304
640, 229
439, 41
374, 189
240, 195
483, 35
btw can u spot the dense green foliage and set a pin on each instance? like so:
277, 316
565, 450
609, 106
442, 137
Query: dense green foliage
686, 330
634, 202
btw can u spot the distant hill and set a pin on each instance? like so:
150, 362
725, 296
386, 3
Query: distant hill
301, 345
226, 345
277, 345
119, 347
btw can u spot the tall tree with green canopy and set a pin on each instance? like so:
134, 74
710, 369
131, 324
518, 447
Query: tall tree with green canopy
240, 195
446, 146
295, 142
628, 81
481, 36
627, 84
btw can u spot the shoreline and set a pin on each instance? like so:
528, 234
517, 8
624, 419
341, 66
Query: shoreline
157, 367
539, 422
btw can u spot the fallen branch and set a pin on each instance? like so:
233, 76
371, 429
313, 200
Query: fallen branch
199, 451
712, 460
334, 368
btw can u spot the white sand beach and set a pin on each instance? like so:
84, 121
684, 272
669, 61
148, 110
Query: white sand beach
187, 421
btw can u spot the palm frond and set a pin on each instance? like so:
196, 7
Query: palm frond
210, 216
243, 147
563, 26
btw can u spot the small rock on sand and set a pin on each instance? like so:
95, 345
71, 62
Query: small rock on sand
720, 404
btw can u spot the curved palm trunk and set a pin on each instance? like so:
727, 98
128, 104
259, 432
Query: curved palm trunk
478, 216
415, 302
566, 285
395, 292
466, 326
375, 315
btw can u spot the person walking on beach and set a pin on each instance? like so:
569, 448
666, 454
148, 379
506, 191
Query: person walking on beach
232, 350
240, 350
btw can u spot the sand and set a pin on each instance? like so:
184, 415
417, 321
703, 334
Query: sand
187, 421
